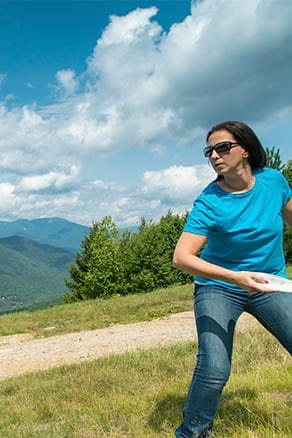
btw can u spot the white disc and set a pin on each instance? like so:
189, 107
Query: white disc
276, 282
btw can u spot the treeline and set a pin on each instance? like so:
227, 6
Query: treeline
114, 262
274, 160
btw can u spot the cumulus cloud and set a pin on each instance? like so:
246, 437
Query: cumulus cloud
176, 183
173, 188
171, 86
143, 87
6, 193
67, 81
51, 180
146, 86
55, 194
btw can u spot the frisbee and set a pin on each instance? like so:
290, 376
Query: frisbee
277, 283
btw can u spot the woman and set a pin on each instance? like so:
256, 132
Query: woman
237, 222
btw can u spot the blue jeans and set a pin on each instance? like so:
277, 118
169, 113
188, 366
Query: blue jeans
217, 310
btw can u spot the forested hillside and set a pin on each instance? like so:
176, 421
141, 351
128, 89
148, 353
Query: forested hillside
31, 274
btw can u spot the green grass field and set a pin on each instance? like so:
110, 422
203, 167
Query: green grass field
141, 394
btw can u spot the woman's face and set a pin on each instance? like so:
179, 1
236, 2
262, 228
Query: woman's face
229, 161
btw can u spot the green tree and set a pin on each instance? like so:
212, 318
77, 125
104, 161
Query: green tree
125, 251
151, 255
288, 244
111, 262
287, 172
274, 158
96, 271
79, 269
143, 251
170, 228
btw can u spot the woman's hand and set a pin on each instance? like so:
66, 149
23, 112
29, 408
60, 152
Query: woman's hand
251, 282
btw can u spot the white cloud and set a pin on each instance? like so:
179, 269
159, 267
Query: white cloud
67, 81
6, 192
30, 142
21, 128
173, 188
127, 42
56, 194
177, 183
171, 86
51, 180
130, 28
147, 87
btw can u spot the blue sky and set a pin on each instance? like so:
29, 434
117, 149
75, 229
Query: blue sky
104, 105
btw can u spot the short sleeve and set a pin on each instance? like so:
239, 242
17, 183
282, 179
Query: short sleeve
201, 218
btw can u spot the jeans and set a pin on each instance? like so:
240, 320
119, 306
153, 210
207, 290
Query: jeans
217, 310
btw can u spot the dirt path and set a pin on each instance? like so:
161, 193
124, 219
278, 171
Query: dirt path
20, 354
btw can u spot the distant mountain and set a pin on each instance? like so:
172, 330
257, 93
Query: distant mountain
51, 231
31, 274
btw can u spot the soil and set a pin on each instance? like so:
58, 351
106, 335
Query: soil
20, 354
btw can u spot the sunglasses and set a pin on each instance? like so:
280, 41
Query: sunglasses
223, 146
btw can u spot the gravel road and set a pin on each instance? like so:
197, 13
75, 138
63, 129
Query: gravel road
20, 354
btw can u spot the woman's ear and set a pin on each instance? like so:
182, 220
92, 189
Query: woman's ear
245, 154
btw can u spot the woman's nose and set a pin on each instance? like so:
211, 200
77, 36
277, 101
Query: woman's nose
214, 154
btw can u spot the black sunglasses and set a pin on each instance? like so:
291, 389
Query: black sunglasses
223, 146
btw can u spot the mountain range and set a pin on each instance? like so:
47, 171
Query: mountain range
50, 231
34, 260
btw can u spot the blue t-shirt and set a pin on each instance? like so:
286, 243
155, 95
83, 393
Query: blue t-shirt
244, 230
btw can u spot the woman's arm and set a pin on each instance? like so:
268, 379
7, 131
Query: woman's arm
186, 258
287, 213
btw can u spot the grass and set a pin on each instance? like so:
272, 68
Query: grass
99, 313
140, 395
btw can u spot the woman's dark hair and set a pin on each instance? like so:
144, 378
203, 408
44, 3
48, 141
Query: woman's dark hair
246, 137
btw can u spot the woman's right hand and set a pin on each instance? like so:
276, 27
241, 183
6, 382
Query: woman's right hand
251, 282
